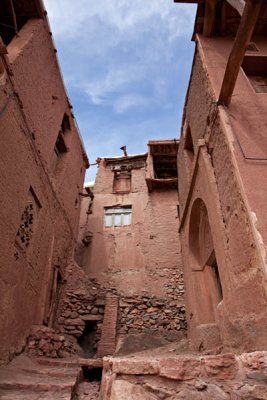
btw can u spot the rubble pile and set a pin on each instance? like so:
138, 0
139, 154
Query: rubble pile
44, 341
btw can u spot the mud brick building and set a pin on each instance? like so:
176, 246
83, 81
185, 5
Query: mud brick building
222, 164
42, 172
129, 235
95, 282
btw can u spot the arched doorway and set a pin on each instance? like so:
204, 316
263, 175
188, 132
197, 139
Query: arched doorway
208, 291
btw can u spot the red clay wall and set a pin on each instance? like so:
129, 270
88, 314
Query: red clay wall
141, 262
30, 122
222, 178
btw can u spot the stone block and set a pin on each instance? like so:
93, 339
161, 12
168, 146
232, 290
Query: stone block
182, 368
122, 390
135, 366
220, 366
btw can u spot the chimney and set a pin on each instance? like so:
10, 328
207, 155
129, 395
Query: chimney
124, 151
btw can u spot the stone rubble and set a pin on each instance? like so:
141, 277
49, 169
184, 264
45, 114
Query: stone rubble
87, 391
46, 342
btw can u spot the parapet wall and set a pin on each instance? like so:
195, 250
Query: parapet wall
184, 377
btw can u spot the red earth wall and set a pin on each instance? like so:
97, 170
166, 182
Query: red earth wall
225, 191
39, 207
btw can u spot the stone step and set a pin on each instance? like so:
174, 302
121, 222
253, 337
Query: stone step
53, 372
42, 379
60, 362
30, 395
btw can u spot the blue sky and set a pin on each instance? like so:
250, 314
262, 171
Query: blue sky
126, 66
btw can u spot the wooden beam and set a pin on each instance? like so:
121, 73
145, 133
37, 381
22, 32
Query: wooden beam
223, 19
243, 36
239, 5
14, 16
209, 19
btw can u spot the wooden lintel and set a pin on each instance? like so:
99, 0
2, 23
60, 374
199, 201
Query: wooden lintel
209, 19
243, 37
239, 5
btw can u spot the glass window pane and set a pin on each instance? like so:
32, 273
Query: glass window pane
117, 220
127, 219
108, 220
109, 210
118, 210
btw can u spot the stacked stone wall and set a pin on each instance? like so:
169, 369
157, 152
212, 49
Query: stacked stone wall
46, 342
84, 300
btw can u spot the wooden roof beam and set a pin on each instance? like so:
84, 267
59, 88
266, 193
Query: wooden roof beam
239, 5
209, 19
243, 36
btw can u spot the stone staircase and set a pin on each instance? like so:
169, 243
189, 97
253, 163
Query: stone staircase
107, 343
39, 379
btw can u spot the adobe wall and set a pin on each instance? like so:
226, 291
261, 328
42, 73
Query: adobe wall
141, 263
137, 248
38, 209
221, 177
32, 54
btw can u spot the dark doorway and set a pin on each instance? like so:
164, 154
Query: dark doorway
88, 340
92, 374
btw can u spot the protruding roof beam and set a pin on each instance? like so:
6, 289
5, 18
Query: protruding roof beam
243, 36
209, 19
239, 5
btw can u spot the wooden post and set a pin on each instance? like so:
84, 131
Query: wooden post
209, 19
14, 16
243, 36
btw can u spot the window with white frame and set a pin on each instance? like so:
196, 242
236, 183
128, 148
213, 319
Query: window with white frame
117, 216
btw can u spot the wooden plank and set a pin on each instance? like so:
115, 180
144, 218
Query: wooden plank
239, 5
243, 36
209, 19
14, 16
223, 19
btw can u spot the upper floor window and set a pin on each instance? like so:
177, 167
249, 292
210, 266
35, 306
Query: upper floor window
122, 182
60, 148
14, 15
65, 125
188, 144
115, 216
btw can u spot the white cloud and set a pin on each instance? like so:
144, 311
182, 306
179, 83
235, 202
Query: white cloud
121, 64
130, 101
73, 19
115, 80
121, 45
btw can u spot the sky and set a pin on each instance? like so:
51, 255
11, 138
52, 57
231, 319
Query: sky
126, 66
